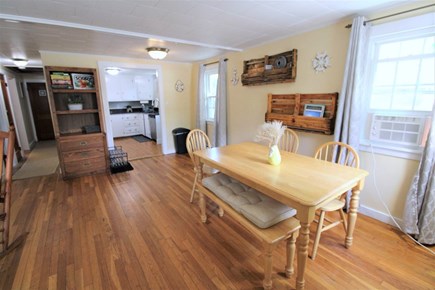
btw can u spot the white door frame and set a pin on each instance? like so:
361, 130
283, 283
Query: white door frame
102, 65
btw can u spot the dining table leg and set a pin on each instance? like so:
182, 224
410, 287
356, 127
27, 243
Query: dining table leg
352, 215
302, 247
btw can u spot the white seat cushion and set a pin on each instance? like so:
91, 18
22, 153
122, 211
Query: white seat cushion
260, 209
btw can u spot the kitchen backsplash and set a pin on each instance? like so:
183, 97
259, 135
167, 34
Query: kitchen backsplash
132, 107
123, 105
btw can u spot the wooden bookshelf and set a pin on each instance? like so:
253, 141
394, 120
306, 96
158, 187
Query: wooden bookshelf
80, 134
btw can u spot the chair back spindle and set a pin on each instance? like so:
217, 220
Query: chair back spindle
289, 141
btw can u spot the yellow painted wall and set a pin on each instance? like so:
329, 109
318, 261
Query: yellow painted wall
247, 106
177, 105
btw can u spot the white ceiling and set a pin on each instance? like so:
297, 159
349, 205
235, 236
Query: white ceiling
192, 30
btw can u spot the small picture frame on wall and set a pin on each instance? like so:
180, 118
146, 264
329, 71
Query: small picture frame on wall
83, 81
314, 110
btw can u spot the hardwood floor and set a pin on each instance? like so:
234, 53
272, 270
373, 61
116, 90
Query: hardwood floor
137, 230
138, 150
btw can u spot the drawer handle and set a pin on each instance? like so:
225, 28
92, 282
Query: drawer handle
83, 143
84, 154
86, 164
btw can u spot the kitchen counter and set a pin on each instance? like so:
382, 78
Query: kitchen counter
138, 110
124, 111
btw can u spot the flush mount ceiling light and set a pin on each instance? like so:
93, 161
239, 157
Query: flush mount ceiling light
157, 52
113, 71
20, 62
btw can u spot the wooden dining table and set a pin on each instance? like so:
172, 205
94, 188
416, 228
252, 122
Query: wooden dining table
302, 182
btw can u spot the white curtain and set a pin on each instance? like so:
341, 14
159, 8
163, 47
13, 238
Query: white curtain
419, 213
220, 121
200, 101
348, 123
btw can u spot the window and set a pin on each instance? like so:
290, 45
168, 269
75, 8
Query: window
210, 86
401, 87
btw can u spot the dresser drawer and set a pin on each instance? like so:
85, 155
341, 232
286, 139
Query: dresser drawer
133, 131
90, 165
81, 143
84, 154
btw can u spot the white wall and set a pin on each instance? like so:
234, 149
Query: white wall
20, 105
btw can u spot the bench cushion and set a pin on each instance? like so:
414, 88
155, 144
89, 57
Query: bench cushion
260, 209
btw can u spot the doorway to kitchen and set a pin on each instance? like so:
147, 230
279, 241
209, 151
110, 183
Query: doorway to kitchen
131, 101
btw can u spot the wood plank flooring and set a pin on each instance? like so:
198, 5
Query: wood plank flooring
137, 230
138, 150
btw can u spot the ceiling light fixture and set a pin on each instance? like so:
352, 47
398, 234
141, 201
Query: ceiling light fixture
113, 71
157, 52
20, 62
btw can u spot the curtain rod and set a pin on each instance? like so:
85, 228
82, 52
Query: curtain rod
206, 64
395, 14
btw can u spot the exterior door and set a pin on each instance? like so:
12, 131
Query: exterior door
41, 111
9, 115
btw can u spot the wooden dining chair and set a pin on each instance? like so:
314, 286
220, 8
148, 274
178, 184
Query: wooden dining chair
198, 140
7, 140
343, 154
289, 141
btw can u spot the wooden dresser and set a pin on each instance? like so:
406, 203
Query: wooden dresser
79, 132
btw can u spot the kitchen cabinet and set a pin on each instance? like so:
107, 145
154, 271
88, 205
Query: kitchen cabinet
147, 128
144, 87
121, 88
129, 124
79, 133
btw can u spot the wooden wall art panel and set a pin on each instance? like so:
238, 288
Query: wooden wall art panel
272, 69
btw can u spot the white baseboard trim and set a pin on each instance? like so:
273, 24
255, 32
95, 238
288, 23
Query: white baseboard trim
32, 144
380, 216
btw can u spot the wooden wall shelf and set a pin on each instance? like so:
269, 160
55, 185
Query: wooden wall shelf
278, 68
289, 108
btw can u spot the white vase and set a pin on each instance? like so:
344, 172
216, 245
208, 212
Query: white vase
73, 107
274, 157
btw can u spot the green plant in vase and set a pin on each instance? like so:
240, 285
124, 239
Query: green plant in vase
75, 102
271, 132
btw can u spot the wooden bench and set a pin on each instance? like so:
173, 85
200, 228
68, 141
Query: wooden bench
287, 229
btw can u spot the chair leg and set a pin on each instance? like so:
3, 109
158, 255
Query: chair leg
193, 188
2, 233
291, 247
343, 218
318, 233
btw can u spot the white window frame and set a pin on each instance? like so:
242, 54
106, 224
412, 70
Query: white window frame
209, 70
420, 26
